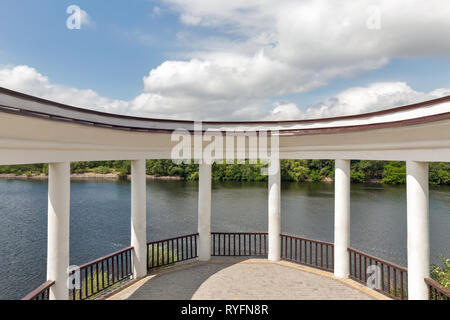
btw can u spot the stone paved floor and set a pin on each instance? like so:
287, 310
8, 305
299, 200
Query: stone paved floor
241, 280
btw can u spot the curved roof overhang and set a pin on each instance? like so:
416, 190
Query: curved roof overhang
38, 130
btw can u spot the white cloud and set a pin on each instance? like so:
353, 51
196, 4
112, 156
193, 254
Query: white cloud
222, 76
377, 96
270, 48
285, 111
190, 19
27, 80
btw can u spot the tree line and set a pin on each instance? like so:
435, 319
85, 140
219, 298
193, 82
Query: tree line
389, 172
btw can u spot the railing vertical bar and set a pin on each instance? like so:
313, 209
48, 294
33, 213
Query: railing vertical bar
122, 266
85, 282
168, 253
127, 266
395, 282
296, 241
300, 251
290, 249
401, 285
315, 252
321, 255
260, 245
117, 268
196, 252
239, 245
389, 279
192, 247
310, 252
158, 255
107, 270
92, 279
96, 269
365, 269
360, 268
162, 253
326, 252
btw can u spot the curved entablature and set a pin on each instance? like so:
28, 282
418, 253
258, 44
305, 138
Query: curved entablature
34, 130
19, 103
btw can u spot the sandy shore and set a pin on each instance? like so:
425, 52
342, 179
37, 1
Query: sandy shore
83, 176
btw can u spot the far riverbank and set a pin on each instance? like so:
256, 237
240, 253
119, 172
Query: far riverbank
116, 176
85, 176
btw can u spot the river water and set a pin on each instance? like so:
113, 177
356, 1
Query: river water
100, 219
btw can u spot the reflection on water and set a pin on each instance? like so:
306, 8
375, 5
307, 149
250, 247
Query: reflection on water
100, 219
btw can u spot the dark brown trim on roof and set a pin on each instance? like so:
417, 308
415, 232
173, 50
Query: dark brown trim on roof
118, 116
372, 126
325, 130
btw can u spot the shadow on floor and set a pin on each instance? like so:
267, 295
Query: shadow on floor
180, 283
243, 279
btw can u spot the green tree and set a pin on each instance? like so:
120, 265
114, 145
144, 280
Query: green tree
394, 173
441, 274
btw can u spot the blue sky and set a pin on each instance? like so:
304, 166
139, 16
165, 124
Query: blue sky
124, 41
107, 57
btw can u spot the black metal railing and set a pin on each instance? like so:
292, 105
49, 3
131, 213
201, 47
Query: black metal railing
389, 278
169, 251
96, 276
103, 273
436, 291
40, 293
236, 244
313, 253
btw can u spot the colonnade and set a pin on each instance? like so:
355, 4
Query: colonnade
417, 222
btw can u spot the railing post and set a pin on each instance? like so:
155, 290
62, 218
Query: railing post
417, 229
274, 224
58, 229
341, 218
138, 218
204, 212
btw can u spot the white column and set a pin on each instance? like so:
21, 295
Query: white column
138, 218
58, 229
204, 212
274, 225
418, 229
341, 218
